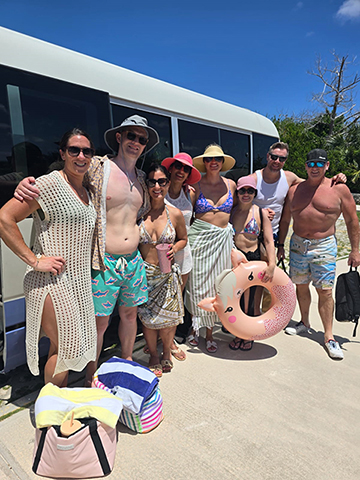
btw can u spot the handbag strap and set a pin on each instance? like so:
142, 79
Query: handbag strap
39, 449
282, 265
99, 448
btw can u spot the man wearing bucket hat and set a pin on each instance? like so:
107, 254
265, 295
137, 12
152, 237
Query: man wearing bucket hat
120, 196
315, 206
210, 238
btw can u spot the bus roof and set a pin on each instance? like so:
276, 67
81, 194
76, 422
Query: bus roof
36, 56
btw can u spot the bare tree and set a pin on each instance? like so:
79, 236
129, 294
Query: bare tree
338, 94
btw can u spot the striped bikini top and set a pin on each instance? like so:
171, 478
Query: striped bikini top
168, 235
203, 206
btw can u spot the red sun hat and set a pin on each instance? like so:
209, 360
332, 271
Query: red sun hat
185, 159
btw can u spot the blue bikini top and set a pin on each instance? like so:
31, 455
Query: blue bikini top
203, 206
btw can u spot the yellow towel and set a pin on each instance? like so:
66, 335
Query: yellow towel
54, 405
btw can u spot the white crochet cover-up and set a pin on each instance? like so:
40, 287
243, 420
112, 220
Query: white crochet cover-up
66, 231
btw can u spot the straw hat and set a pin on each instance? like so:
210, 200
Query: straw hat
214, 151
133, 121
185, 159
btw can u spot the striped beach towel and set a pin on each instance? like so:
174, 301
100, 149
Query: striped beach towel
211, 251
132, 382
55, 405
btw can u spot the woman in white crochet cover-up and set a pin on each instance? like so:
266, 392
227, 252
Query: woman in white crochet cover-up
57, 281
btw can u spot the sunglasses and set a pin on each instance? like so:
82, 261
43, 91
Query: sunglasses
133, 136
318, 164
151, 182
210, 159
75, 152
179, 166
249, 190
275, 157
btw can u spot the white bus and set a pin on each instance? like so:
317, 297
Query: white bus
46, 90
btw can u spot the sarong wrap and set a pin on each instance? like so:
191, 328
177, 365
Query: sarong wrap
211, 250
165, 307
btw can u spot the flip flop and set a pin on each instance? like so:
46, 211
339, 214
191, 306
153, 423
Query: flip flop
193, 340
246, 345
156, 369
178, 354
235, 344
166, 365
211, 346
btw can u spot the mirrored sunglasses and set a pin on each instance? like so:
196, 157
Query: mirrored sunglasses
210, 159
75, 152
244, 190
151, 182
179, 166
277, 157
318, 164
133, 136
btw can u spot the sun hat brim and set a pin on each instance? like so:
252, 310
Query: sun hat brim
134, 121
194, 176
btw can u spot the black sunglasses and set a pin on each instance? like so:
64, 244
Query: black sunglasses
217, 159
179, 166
249, 190
151, 182
318, 164
275, 157
75, 152
133, 136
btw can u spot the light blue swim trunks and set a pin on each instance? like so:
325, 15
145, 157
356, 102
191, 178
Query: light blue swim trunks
313, 260
124, 280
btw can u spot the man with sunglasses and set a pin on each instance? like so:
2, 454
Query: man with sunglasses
273, 183
315, 206
120, 197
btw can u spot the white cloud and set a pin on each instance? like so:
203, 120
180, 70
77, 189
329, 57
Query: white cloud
349, 10
298, 6
309, 34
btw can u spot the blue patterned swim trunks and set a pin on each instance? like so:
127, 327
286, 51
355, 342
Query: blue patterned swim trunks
124, 281
313, 260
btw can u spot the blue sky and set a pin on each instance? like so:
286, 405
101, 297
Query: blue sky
253, 54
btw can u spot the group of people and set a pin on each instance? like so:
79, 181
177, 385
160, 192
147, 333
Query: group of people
98, 222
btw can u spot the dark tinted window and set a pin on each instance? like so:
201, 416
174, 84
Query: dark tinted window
35, 112
194, 137
261, 147
160, 123
238, 146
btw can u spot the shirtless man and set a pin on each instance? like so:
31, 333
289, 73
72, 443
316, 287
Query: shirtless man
120, 197
315, 205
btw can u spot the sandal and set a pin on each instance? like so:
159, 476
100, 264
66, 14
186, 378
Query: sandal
246, 345
211, 346
166, 365
193, 340
156, 369
178, 354
235, 344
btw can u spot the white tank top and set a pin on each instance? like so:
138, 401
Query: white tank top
272, 195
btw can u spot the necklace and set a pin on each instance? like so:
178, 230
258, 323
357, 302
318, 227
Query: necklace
131, 183
72, 186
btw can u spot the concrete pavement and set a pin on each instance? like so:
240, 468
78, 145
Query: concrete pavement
284, 410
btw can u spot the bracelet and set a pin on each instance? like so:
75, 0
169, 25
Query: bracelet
280, 245
37, 263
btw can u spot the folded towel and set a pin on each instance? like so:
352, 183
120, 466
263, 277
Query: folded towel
54, 405
132, 382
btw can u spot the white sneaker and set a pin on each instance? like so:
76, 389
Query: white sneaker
334, 349
300, 327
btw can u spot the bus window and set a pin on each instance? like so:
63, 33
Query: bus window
35, 112
238, 146
261, 146
194, 137
162, 125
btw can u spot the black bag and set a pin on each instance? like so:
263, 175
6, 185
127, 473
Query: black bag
347, 298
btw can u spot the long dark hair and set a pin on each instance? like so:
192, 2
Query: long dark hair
154, 167
72, 133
